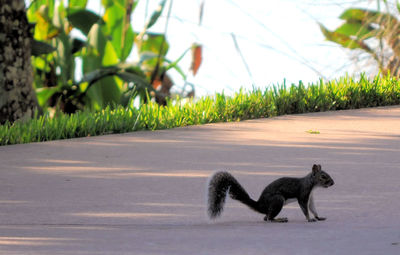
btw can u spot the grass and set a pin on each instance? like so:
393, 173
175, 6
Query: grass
343, 93
313, 132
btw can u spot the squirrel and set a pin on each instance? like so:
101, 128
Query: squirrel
277, 194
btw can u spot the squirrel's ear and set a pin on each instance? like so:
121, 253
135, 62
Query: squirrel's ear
319, 167
316, 168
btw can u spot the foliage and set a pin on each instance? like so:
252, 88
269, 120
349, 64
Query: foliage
344, 93
108, 41
374, 32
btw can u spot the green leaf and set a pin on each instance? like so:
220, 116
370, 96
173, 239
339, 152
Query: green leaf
98, 74
83, 19
40, 48
153, 43
357, 29
368, 17
44, 28
127, 44
44, 94
104, 88
355, 14
36, 5
398, 5
139, 81
100, 53
97, 40
110, 57
175, 63
104, 91
41, 64
176, 67
126, 71
60, 14
342, 39
122, 35
156, 14
131, 68
77, 3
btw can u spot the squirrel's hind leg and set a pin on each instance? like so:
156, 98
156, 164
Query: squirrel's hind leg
275, 205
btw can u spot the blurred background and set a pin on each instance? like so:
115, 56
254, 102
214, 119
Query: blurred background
90, 54
130, 58
279, 40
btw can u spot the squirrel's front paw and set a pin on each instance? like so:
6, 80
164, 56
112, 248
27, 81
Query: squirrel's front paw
320, 218
312, 220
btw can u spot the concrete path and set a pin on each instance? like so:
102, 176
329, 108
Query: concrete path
144, 192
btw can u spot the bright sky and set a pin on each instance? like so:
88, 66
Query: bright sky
279, 40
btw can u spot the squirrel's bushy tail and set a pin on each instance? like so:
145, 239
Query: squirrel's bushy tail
218, 186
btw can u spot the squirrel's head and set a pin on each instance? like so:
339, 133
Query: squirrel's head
321, 177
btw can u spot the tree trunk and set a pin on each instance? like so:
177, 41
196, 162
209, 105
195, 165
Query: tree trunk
17, 97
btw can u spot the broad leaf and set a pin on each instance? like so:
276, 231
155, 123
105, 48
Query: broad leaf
139, 81
357, 29
44, 94
101, 53
36, 5
128, 72
106, 91
97, 40
131, 68
120, 31
343, 40
354, 14
40, 48
196, 58
368, 17
83, 19
110, 56
98, 74
44, 29
77, 3
42, 63
153, 43
156, 14
60, 14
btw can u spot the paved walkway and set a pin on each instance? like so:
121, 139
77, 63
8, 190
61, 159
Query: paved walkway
144, 192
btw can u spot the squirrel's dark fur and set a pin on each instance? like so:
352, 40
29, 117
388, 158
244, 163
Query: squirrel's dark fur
274, 196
